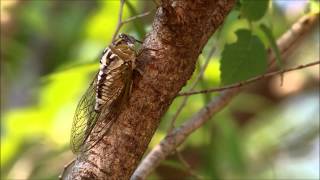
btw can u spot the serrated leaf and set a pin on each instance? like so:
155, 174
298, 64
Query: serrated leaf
254, 10
243, 59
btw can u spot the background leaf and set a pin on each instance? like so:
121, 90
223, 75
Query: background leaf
254, 10
243, 59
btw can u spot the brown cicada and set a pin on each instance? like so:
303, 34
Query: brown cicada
109, 88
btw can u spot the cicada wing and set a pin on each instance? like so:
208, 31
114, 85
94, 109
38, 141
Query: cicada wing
84, 119
110, 112
105, 122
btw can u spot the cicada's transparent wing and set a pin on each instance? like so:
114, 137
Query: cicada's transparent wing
106, 95
109, 112
105, 122
84, 119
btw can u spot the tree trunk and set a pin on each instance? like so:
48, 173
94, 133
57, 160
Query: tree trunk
180, 31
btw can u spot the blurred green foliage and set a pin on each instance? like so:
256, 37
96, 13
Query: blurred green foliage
49, 54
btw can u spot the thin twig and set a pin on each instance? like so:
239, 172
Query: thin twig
122, 22
187, 165
180, 134
119, 20
249, 81
193, 85
156, 2
136, 17
184, 102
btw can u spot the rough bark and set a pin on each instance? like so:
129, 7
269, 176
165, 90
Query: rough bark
180, 31
168, 145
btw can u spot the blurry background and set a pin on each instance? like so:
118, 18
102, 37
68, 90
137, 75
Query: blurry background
49, 53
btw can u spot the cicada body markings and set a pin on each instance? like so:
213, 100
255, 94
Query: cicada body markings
105, 95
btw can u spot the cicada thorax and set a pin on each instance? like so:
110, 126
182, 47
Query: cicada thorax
116, 66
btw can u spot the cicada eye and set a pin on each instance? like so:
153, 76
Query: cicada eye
121, 35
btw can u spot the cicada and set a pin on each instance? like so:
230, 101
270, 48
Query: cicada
109, 89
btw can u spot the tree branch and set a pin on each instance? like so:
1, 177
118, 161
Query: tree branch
249, 81
179, 134
180, 31
122, 22
183, 104
136, 17
185, 99
119, 25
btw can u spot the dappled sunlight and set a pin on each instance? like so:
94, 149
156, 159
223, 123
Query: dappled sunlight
212, 73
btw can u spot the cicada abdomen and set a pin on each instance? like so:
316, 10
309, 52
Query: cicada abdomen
109, 89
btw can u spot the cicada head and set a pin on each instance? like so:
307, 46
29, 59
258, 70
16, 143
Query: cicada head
126, 39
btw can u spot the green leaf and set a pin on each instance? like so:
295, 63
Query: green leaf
314, 6
273, 44
254, 10
243, 59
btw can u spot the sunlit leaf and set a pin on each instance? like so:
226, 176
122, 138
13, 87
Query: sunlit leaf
314, 6
212, 73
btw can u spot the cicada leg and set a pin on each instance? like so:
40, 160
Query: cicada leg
66, 169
